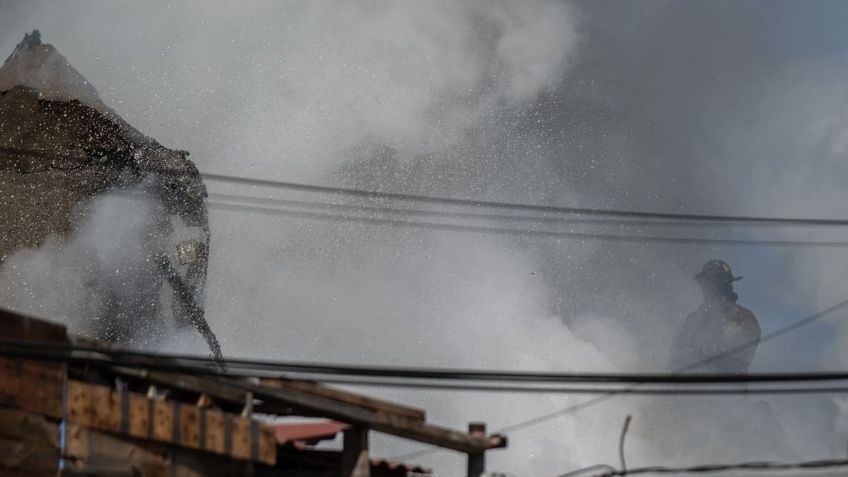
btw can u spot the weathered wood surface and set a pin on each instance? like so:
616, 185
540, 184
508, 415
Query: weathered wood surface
32, 386
184, 382
29, 444
91, 451
167, 421
378, 420
355, 459
16, 326
374, 404
27, 457
28, 427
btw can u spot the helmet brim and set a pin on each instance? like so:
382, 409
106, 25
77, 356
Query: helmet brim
706, 276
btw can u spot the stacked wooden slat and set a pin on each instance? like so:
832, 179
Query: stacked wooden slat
50, 423
183, 426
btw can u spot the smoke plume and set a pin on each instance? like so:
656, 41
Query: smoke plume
696, 107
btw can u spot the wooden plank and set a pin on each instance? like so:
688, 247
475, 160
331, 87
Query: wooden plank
442, 437
355, 460
215, 431
267, 444
163, 420
10, 382
190, 426
241, 438
79, 406
184, 382
32, 386
28, 457
88, 449
139, 418
42, 387
108, 404
24, 426
17, 326
314, 404
319, 389
476, 461
76, 441
387, 423
27, 473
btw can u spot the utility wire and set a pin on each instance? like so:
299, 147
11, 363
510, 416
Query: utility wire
621, 442
631, 390
746, 467
484, 229
575, 408
406, 211
516, 206
431, 374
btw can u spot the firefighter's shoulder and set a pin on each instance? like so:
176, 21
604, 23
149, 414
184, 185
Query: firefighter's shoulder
746, 319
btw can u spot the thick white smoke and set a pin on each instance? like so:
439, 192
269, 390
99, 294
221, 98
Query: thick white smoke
287, 89
110, 249
296, 91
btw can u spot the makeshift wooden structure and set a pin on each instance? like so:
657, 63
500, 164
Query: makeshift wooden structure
63, 416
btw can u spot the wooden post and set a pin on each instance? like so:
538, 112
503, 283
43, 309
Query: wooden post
355, 459
476, 460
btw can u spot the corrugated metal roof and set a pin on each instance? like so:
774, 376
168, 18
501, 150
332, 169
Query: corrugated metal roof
307, 432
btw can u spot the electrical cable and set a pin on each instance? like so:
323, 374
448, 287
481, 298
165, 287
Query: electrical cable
433, 374
621, 443
277, 202
224, 371
523, 232
515, 206
631, 390
746, 466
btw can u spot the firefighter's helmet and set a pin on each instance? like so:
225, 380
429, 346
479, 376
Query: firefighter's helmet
716, 271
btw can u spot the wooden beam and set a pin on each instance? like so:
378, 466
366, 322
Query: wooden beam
442, 437
312, 403
27, 457
29, 444
355, 459
32, 386
184, 382
476, 460
385, 422
374, 404
17, 326
25, 426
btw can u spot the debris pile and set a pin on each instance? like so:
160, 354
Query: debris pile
60, 146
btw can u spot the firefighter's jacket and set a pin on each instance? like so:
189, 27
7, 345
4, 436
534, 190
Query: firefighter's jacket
728, 330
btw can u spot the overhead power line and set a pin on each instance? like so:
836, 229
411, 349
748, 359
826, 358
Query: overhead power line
487, 229
368, 194
632, 390
578, 407
716, 468
106, 358
558, 219
214, 366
